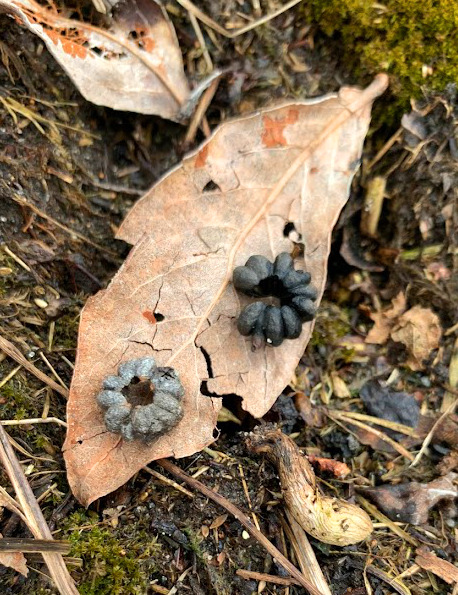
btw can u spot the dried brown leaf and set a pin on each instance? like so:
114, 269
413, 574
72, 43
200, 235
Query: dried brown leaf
14, 560
220, 520
385, 321
135, 66
429, 561
411, 502
230, 199
419, 330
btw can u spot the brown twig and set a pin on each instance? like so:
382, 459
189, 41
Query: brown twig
242, 518
35, 519
200, 111
249, 575
14, 352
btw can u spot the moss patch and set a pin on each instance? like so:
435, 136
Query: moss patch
415, 41
109, 567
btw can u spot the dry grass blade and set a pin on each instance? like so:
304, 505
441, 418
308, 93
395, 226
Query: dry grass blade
305, 554
398, 447
27, 545
374, 511
35, 520
10, 503
14, 352
231, 35
386, 423
240, 516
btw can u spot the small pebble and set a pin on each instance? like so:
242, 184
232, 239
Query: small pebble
245, 534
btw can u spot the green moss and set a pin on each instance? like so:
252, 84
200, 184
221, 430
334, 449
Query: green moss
66, 331
405, 38
109, 566
331, 324
195, 542
16, 402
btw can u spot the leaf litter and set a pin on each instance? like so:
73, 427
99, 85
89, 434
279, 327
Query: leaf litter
172, 298
134, 65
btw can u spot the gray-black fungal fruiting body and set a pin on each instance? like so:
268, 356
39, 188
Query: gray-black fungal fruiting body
262, 278
129, 416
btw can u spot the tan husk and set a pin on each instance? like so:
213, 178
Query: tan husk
331, 520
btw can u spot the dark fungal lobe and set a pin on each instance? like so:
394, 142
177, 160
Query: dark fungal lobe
261, 278
143, 401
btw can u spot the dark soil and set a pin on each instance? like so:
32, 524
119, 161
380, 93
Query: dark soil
147, 534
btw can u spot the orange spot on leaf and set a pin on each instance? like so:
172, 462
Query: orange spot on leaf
149, 316
201, 158
143, 40
75, 50
274, 128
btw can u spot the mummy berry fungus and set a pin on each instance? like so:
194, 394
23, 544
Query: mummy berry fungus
279, 280
143, 401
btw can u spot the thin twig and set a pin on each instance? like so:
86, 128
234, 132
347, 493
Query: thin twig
242, 518
16, 258
386, 147
199, 113
33, 420
35, 519
10, 375
168, 481
50, 366
14, 352
249, 575
431, 433
71, 232
201, 40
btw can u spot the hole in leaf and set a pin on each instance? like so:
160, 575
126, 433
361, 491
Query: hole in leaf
204, 390
211, 186
290, 232
139, 392
158, 316
247, 422
208, 361
289, 227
